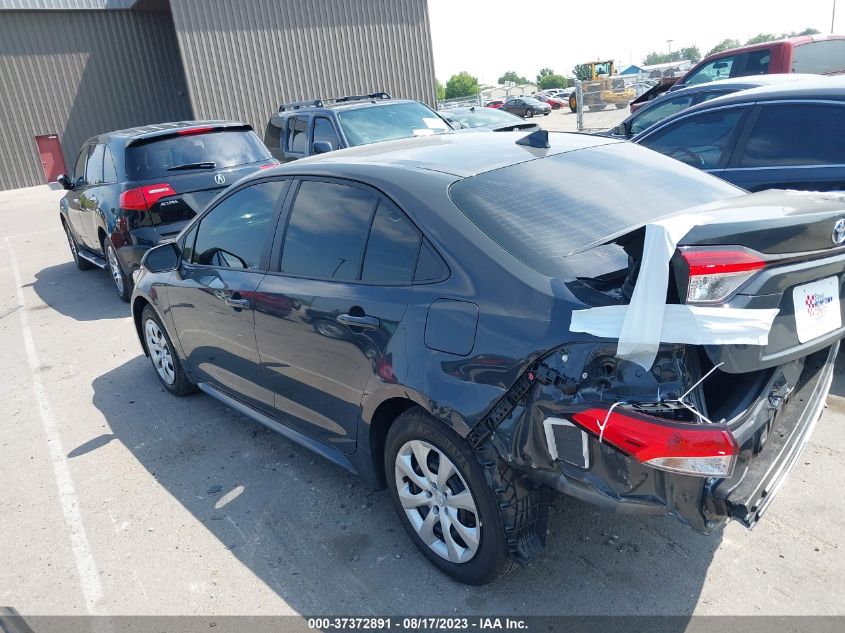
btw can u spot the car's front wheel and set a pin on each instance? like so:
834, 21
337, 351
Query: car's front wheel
442, 496
122, 281
165, 361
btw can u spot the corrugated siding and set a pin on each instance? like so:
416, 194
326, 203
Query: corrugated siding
242, 58
66, 4
79, 74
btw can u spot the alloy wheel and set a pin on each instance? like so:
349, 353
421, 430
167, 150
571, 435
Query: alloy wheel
437, 501
159, 352
114, 268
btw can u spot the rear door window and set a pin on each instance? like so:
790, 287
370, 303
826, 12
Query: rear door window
826, 56
235, 232
700, 140
392, 248
327, 231
297, 135
109, 172
796, 134
94, 167
174, 155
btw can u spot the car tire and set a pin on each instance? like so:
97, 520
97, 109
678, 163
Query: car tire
546, 113
475, 516
556, 106
162, 354
81, 264
573, 103
529, 113
621, 106
123, 284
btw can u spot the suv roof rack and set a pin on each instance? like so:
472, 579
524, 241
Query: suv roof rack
375, 95
296, 105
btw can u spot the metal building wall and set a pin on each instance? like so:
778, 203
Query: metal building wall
79, 73
242, 58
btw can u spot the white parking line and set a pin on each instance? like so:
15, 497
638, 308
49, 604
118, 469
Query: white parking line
89, 577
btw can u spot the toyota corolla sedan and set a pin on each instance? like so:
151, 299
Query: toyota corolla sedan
407, 310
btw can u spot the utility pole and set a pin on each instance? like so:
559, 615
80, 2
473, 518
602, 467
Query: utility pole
833, 16
670, 41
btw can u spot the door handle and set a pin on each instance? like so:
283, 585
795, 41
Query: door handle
237, 303
363, 322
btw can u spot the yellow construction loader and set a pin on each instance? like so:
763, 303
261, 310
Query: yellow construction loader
601, 86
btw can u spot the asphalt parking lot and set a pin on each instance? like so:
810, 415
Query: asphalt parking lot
118, 498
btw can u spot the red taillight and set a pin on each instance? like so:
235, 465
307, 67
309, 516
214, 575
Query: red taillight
694, 449
195, 130
715, 273
142, 198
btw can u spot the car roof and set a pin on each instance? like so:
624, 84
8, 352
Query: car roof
818, 87
739, 83
346, 105
798, 40
161, 129
461, 155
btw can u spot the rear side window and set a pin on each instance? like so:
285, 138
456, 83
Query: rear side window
233, 234
392, 248
700, 140
539, 211
175, 155
94, 168
754, 63
324, 131
327, 231
795, 134
825, 56
297, 135
109, 172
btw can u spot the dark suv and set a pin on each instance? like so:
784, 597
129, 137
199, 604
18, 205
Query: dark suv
305, 128
131, 188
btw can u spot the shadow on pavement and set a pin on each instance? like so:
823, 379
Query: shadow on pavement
326, 544
84, 295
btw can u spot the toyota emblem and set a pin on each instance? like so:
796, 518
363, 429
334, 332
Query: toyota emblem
838, 235
220, 179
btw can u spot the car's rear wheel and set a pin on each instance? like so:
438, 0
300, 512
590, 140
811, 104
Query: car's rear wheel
81, 264
620, 106
573, 103
122, 281
529, 113
165, 361
441, 494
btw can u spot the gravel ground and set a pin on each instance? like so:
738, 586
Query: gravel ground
118, 498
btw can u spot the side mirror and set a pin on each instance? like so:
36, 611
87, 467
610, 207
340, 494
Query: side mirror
162, 258
64, 181
321, 147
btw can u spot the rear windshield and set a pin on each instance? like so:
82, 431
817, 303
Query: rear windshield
542, 210
224, 148
390, 121
826, 56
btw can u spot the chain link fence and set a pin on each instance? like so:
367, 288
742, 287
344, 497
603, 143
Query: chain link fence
603, 103
460, 102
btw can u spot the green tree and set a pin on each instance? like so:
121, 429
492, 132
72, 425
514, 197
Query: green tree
762, 37
441, 90
691, 53
552, 81
462, 85
806, 32
512, 76
544, 72
724, 45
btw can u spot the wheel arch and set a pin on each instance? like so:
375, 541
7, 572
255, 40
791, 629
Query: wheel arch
137, 310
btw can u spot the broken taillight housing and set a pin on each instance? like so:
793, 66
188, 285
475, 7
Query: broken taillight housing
716, 273
703, 450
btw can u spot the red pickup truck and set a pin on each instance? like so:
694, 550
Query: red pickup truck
815, 54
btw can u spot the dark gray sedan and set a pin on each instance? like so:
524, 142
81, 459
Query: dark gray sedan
479, 119
406, 310
526, 107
